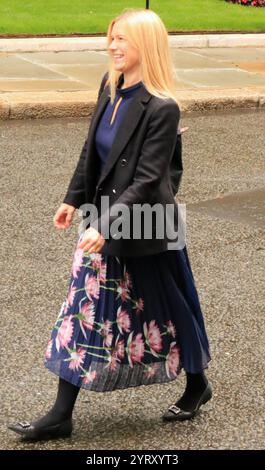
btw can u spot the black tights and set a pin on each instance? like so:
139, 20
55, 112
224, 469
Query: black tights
63, 406
195, 386
67, 395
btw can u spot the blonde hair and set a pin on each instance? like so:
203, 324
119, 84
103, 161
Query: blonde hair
147, 33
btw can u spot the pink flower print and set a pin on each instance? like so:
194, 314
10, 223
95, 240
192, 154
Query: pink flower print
66, 305
62, 310
127, 280
65, 333
106, 333
139, 305
153, 337
100, 267
123, 291
77, 358
119, 349
78, 258
70, 298
71, 295
135, 348
88, 314
151, 370
95, 260
49, 349
91, 286
171, 328
103, 273
172, 360
89, 376
123, 321
112, 361
117, 353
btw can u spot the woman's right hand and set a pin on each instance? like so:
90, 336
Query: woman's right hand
64, 216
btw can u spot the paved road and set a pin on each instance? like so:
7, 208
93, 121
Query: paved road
223, 154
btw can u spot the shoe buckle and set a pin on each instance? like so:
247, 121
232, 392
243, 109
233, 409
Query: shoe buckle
175, 409
24, 424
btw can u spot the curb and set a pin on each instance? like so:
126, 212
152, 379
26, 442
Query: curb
43, 105
99, 43
82, 104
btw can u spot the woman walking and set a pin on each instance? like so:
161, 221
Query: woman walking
132, 314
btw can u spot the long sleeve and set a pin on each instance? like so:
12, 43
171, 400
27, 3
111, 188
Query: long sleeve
75, 195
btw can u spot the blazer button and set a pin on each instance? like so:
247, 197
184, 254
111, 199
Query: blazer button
123, 162
114, 191
100, 188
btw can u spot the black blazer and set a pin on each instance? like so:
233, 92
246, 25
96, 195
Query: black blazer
144, 166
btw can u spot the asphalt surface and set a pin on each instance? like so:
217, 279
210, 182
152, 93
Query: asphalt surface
223, 154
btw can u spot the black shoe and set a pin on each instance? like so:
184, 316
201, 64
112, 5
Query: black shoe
174, 413
56, 431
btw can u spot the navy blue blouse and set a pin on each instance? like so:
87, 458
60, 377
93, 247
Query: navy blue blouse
105, 132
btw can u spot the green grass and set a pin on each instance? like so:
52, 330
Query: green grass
89, 16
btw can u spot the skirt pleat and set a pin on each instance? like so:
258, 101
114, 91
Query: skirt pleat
127, 322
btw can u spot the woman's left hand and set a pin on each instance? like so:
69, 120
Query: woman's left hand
92, 241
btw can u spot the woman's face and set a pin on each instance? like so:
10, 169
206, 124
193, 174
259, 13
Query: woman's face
125, 56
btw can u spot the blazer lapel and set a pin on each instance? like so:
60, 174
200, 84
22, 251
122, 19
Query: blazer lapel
100, 108
124, 132
101, 105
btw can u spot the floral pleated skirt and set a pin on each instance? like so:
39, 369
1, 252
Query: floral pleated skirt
127, 322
